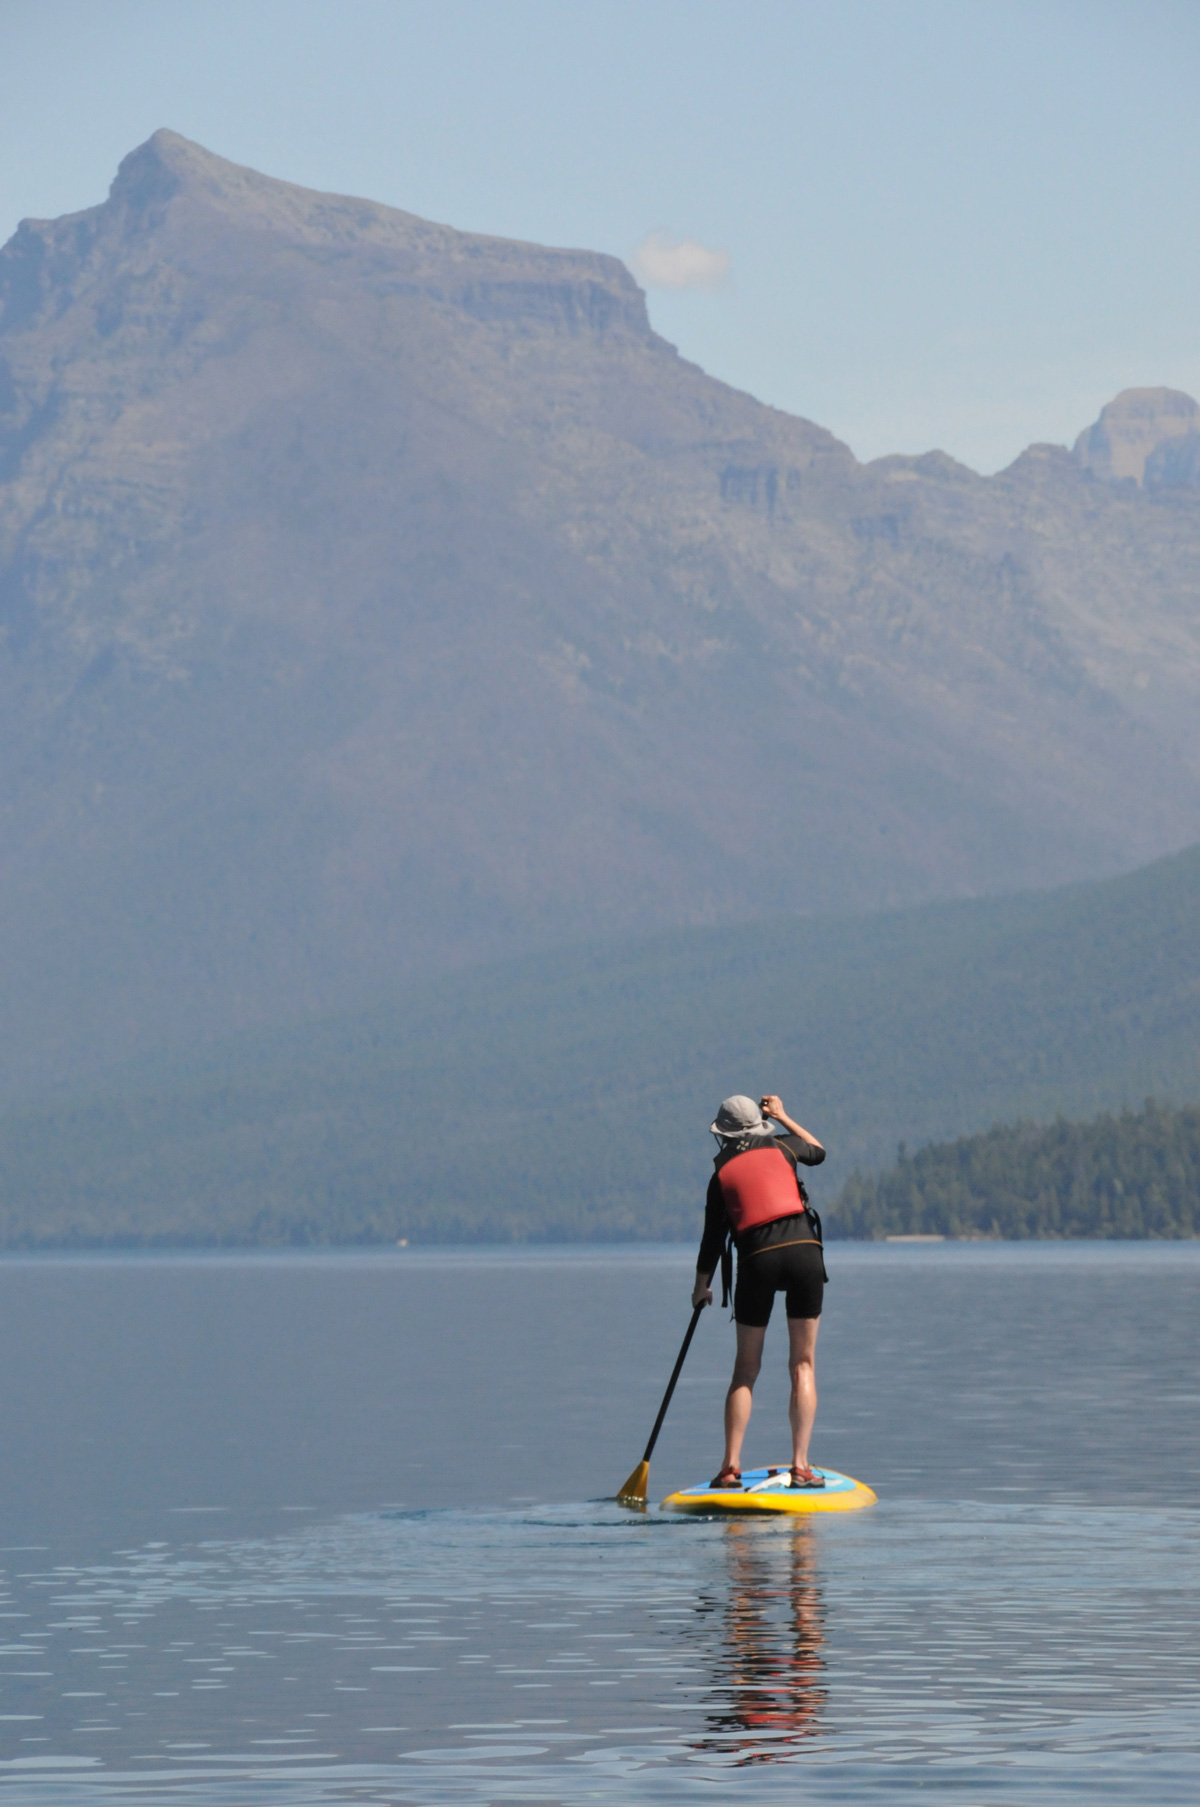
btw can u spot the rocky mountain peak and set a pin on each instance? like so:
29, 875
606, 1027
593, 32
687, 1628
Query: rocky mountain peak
1136, 437
169, 166
174, 203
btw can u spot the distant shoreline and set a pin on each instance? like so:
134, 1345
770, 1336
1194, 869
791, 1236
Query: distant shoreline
541, 1251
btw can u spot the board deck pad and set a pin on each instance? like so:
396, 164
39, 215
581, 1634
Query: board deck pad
771, 1490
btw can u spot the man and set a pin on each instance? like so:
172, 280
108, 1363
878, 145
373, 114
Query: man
756, 1197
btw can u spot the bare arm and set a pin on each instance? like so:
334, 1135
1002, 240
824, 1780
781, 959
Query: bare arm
771, 1105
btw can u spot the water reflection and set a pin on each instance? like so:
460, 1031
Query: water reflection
766, 1632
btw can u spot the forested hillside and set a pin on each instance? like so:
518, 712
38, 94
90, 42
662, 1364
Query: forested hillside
568, 1096
1134, 1175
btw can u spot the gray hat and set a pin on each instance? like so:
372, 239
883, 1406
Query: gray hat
738, 1116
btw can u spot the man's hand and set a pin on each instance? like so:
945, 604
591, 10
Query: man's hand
701, 1293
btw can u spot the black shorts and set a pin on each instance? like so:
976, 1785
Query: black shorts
794, 1268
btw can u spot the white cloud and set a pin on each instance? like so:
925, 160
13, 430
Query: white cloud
661, 262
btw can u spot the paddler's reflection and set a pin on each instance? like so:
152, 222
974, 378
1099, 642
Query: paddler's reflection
766, 1634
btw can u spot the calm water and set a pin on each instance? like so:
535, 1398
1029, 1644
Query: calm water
332, 1529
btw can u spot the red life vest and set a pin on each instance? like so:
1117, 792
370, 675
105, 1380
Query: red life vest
758, 1186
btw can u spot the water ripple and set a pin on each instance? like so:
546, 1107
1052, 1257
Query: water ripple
583, 1654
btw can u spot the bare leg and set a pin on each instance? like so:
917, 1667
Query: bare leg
740, 1397
802, 1407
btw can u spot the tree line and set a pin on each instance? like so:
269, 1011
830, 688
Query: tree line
1136, 1174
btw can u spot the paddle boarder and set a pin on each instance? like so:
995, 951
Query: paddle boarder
757, 1200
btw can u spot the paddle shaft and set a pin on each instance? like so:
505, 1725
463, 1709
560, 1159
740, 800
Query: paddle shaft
662, 1410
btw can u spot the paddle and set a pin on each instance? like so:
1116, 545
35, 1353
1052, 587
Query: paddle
633, 1493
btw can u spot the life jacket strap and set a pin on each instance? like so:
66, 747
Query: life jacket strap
726, 1269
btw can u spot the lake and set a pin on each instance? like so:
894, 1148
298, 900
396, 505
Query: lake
323, 1528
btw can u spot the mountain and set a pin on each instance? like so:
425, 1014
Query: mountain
378, 600
567, 1095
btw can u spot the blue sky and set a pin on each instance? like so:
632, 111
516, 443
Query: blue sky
960, 225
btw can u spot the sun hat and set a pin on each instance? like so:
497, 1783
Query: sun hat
738, 1116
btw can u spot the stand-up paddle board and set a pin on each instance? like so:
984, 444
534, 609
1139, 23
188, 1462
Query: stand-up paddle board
771, 1490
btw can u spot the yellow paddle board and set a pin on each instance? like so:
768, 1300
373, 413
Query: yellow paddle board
771, 1490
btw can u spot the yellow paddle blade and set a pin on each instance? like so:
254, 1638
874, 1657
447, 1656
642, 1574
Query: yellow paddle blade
633, 1493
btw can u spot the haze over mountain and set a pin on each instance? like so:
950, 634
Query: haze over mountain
567, 1094
378, 597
